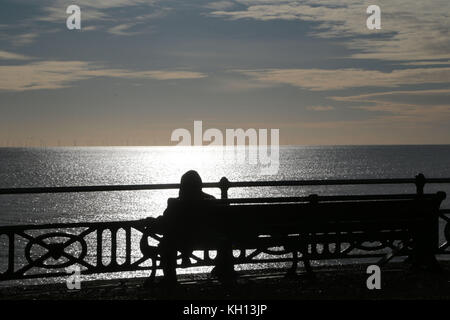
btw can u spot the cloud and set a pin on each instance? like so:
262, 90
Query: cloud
406, 107
91, 10
427, 92
107, 4
121, 29
61, 74
171, 75
95, 15
324, 79
4, 55
219, 5
411, 30
141, 21
24, 39
426, 63
90, 28
320, 108
425, 107
57, 14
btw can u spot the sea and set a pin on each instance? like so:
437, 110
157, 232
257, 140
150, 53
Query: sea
90, 166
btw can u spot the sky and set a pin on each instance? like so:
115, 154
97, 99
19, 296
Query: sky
137, 70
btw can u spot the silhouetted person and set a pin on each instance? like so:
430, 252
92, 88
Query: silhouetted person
191, 187
191, 190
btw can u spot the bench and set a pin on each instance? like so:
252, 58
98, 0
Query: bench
305, 228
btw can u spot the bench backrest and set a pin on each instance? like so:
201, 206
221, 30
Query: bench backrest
240, 217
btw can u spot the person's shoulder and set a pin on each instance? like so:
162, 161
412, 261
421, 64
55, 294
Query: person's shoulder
171, 204
207, 196
172, 200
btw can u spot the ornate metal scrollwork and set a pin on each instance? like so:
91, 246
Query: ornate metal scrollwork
151, 252
47, 250
55, 250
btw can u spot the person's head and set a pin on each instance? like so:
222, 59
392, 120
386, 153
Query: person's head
190, 185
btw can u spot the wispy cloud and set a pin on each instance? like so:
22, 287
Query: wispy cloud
57, 14
219, 5
396, 107
427, 92
324, 79
412, 30
426, 107
99, 15
24, 39
5, 55
139, 24
123, 29
91, 10
320, 108
60, 74
427, 63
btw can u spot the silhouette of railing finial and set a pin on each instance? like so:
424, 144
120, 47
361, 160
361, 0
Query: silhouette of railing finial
224, 184
420, 183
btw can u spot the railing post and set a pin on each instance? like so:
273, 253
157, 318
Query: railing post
100, 248
224, 186
420, 183
113, 246
11, 252
128, 246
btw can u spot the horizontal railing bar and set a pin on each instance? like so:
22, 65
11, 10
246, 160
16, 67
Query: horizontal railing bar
93, 225
332, 182
362, 197
237, 184
88, 188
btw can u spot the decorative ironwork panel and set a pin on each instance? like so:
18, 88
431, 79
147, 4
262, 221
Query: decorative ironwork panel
45, 251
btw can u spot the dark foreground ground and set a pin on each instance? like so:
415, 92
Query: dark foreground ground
398, 281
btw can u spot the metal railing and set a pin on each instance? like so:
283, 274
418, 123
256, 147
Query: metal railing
224, 185
46, 242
